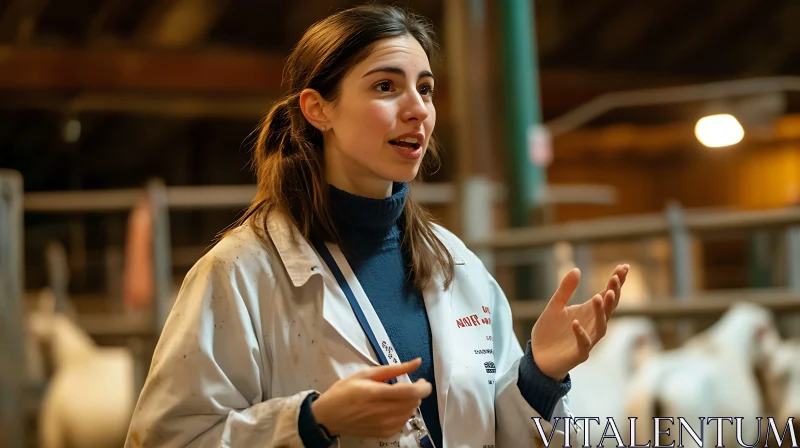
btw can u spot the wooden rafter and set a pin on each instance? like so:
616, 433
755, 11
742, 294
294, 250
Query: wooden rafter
772, 59
129, 70
631, 25
97, 25
179, 23
302, 15
18, 23
725, 17
236, 83
580, 18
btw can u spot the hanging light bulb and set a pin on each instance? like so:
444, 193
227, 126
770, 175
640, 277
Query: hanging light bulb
715, 131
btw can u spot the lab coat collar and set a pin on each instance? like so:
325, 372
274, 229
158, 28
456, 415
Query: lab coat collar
299, 257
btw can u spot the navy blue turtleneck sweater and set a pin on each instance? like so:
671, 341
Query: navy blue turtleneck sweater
371, 231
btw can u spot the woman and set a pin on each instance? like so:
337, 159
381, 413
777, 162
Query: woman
278, 335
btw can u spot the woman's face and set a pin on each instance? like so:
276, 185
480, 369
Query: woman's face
380, 126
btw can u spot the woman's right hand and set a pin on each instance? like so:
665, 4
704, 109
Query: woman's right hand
363, 405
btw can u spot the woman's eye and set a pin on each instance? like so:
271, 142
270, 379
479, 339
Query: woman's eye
426, 90
385, 86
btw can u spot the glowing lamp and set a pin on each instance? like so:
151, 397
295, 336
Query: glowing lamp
715, 131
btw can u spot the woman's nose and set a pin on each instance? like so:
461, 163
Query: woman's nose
415, 108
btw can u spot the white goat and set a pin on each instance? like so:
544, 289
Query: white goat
783, 385
600, 385
90, 397
712, 375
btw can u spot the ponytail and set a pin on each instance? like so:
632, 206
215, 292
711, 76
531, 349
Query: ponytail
289, 166
276, 128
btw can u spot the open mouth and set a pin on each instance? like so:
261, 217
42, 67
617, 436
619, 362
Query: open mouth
406, 143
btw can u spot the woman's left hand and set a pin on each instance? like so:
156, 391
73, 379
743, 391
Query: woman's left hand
564, 335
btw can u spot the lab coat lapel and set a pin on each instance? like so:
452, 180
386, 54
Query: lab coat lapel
438, 304
338, 312
302, 262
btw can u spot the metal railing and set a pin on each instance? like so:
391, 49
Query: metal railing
163, 199
634, 227
712, 304
231, 196
677, 224
13, 372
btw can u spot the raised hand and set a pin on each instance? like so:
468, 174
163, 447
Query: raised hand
364, 405
564, 335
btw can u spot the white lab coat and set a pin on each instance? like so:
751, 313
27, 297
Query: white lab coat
255, 328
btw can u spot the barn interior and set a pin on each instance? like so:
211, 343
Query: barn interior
580, 134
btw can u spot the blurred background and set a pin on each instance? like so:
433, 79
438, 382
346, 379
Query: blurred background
575, 133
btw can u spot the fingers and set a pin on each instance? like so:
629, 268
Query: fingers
624, 274
422, 388
614, 286
404, 391
622, 277
385, 373
398, 391
389, 424
616, 281
584, 342
565, 290
609, 304
621, 272
600, 321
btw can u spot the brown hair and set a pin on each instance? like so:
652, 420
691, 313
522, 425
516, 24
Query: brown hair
288, 158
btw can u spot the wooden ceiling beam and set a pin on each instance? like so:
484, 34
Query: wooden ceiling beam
771, 60
694, 40
209, 79
18, 22
628, 29
243, 107
95, 32
581, 16
179, 23
153, 71
302, 15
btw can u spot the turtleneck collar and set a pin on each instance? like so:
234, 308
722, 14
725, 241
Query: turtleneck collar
368, 219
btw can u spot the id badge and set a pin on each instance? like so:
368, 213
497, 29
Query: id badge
418, 425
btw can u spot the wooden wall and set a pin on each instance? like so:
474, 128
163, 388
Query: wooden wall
635, 181
650, 166
763, 171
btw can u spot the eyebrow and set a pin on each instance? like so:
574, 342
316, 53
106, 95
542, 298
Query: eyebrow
398, 71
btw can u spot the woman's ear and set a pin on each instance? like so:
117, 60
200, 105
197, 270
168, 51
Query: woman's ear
313, 107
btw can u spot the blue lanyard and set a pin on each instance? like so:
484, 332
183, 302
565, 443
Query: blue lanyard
362, 319
425, 442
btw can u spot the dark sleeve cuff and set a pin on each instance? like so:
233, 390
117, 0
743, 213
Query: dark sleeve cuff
540, 391
311, 433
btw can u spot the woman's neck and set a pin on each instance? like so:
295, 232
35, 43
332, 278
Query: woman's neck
366, 220
342, 174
